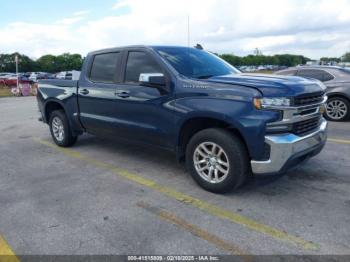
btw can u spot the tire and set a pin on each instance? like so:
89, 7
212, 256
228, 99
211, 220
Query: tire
60, 130
337, 109
234, 154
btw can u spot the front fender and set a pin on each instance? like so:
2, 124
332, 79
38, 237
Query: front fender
343, 91
239, 115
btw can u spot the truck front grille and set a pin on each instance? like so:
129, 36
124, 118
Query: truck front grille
308, 99
307, 126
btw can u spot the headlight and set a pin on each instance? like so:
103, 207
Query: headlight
265, 102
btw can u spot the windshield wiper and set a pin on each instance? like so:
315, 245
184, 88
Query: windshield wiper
204, 76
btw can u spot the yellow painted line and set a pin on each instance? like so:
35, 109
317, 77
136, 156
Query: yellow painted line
191, 201
193, 229
341, 141
6, 253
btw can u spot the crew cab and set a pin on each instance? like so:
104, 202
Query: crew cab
224, 124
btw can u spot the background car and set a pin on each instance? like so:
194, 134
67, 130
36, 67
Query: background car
337, 81
35, 76
68, 75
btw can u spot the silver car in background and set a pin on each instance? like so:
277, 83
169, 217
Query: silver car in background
337, 81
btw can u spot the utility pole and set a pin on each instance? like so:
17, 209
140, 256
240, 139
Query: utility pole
16, 60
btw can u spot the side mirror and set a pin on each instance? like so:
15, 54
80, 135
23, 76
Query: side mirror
152, 79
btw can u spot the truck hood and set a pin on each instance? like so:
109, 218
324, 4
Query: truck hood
272, 85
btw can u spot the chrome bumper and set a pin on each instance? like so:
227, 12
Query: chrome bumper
288, 147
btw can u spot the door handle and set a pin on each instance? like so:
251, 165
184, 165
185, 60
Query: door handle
123, 94
84, 91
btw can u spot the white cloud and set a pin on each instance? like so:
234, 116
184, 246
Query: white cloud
76, 17
314, 28
70, 20
82, 12
120, 4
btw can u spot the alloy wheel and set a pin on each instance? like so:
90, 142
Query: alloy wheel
211, 162
58, 128
336, 109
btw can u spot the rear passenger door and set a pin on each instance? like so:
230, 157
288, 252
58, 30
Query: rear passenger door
96, 93
141, 111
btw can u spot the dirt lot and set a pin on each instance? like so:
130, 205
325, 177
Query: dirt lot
113, 198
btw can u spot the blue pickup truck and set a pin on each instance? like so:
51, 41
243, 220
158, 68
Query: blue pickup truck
224, 124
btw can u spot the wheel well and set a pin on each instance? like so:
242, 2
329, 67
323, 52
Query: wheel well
50, 107
193, 126
339, 95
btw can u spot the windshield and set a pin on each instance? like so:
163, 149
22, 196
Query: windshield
195, 63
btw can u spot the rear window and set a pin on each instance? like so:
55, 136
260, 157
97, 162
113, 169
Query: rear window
318, 74
104, 68
311, 73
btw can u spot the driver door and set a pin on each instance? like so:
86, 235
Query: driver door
140, 111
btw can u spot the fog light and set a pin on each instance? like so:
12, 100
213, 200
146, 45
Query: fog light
322, 109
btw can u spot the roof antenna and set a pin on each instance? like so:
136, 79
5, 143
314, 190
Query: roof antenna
188, 30
199, 46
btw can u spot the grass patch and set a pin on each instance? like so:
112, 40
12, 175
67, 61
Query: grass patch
5, 92
269, 72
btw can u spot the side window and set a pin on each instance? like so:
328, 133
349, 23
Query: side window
327, 76
104, 68
138, 63
311, 73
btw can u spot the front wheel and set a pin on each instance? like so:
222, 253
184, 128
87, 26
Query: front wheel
337, 109
217, 160
60, 129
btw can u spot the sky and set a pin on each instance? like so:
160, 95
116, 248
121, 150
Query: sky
314, 28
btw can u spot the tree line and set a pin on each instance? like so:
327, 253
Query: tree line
46, 63
282, 60
260, 59
67, 61
344, 58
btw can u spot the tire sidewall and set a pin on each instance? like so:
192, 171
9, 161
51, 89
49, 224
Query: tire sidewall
236, 158
347, 104
63, 118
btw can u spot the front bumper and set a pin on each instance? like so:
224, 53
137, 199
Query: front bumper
287, 150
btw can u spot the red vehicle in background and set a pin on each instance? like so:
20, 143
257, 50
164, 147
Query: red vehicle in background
24, 84
11, 81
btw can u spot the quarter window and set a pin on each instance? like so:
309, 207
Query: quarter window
316, 74
104, 68
327, 76
138, 63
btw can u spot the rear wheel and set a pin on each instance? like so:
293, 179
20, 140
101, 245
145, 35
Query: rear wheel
60, 129
337, 109
217, 160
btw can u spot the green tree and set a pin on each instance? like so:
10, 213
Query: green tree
330, 59
232, 59
47, 63
346, 57
64, 62
285, 60
68, 61
8, 64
